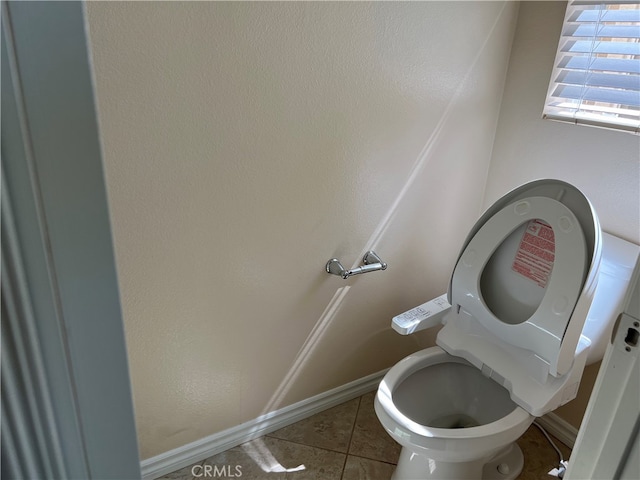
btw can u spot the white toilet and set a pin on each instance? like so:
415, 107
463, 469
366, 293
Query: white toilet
533, 297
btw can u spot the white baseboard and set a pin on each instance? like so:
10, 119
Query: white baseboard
559, 428
180, 457
186, 455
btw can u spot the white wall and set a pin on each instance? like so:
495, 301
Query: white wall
245, 144
604, 164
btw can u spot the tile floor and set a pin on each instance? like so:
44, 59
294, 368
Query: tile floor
342, 443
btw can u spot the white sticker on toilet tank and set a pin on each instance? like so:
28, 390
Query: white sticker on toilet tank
536, 253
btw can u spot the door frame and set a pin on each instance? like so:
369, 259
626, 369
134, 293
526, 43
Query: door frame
67, 407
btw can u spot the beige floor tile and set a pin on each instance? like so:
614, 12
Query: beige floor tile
330, 429
254, 460
358, 468
539, 455
185, 473
369, 438
270, 458
372, 453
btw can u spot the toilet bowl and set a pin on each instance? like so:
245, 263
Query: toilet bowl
450, 419
515, 338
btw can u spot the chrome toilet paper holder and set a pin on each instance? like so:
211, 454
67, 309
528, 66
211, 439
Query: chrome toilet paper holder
372, 263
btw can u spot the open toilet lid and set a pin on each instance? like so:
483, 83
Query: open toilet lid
523, 269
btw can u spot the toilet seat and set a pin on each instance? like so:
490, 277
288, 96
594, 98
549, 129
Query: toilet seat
523, 328
542, 332
449, 453
511, 426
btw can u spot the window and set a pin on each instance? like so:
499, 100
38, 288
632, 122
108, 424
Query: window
596, 75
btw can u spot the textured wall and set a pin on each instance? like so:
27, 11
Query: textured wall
604, 164
245, 144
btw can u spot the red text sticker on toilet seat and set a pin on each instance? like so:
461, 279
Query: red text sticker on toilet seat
536, 253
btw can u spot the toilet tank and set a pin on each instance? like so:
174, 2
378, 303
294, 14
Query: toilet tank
617, 263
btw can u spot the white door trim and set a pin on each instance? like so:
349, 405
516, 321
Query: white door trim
63, 332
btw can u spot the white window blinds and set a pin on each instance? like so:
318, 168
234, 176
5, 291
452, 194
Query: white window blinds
596, 76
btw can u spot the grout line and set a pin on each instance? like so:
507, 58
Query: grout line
373, 459
353, 427
303, 444
270, 435
355, 420
201, 463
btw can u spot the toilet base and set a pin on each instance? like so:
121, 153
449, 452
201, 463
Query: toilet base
505, 465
